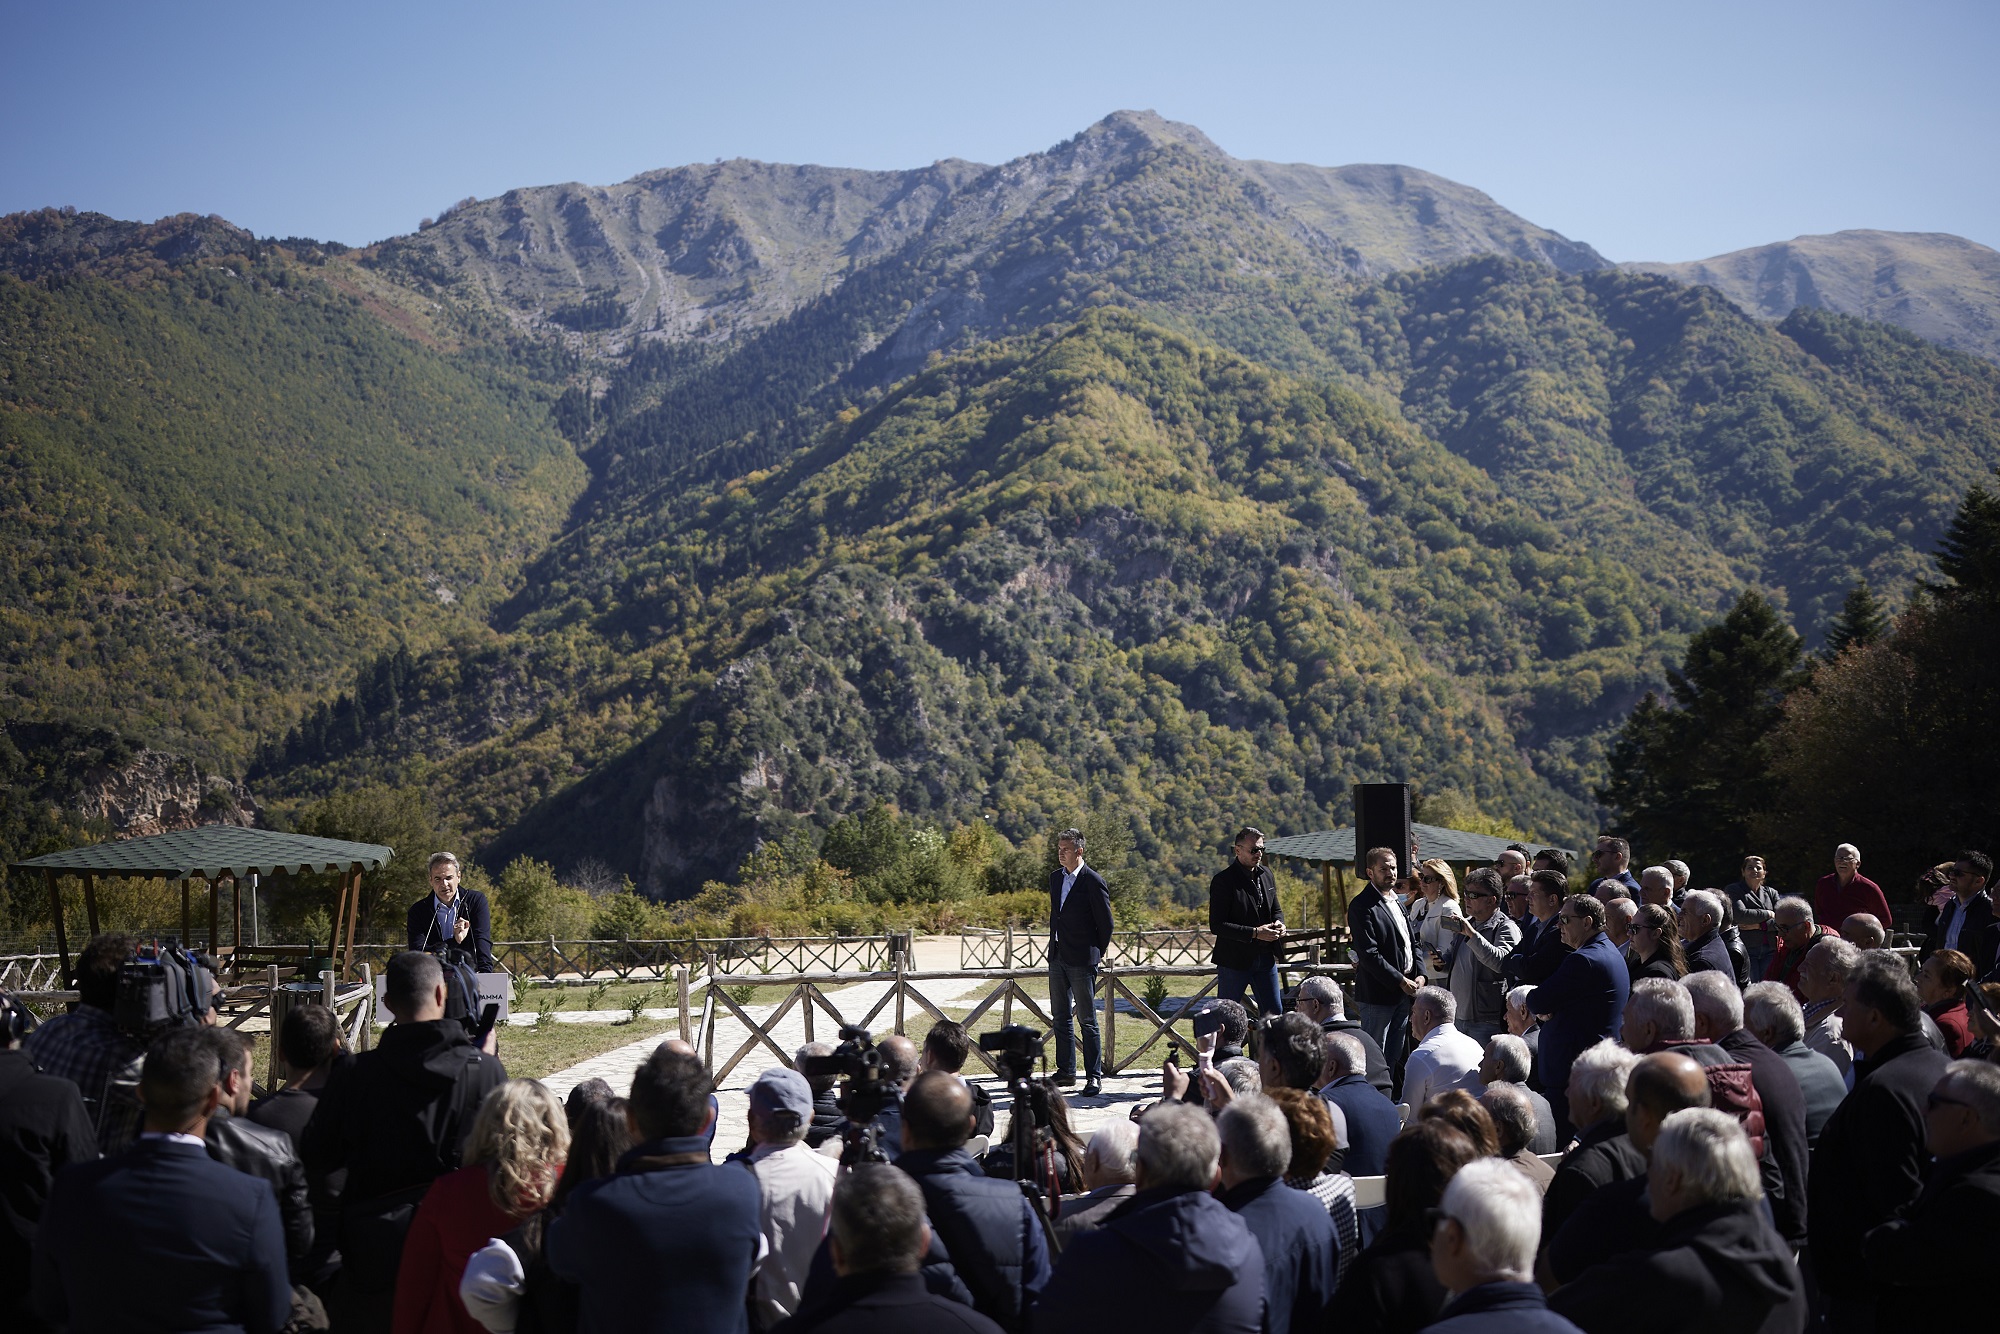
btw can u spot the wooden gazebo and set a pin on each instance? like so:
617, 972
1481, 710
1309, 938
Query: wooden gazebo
212, 854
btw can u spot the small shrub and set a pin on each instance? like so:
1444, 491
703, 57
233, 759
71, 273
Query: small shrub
1155, 991
597, 995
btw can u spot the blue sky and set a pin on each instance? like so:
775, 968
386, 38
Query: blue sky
1652, 131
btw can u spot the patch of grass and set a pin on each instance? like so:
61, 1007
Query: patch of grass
536, 1053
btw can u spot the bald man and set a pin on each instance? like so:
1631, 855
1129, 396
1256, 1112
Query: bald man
1619, 1216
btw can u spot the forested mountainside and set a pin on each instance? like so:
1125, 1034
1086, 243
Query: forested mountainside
1942, 287
650, 523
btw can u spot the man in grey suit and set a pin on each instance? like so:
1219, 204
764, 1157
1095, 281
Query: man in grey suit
1079, 933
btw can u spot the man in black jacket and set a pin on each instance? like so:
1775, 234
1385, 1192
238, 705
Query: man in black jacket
1869, 1162
1386, 974
396, 1119
1319, 1000
988, 1227
878, 1238
1079, 933
43, 1128
1248, 925
452, 922
237, 1141
1958, 1212
1603, 1152
161, 1236
1542, 948
1714, 1265
1718, 1018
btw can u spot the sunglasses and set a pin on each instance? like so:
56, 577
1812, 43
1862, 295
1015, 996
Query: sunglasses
1481, 894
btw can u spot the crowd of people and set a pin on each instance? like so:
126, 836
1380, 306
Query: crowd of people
1644, 1106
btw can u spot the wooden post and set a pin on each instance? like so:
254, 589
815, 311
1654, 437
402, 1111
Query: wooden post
353, 913
62, 936
681, 984
187, 928
214, 914
1326, 893
901, 961
1340, 882
90, 901
236, 917
277, 1022
366, 1008
1110, 1055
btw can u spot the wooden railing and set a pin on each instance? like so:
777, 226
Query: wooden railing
656, 960
1017, 947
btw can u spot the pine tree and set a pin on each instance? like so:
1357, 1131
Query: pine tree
1687, 781
1969, 554
1863, 619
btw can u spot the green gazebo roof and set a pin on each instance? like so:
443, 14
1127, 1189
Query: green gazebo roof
1337, 845
210, 852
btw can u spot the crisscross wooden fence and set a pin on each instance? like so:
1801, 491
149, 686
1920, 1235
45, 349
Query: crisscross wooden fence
904, 1001
656, 960
1017, 947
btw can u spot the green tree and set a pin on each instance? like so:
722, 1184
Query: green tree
1863, 619
404, 820
529, 903
1969, 553
1688, 781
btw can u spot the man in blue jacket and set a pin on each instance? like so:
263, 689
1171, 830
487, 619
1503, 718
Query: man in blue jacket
1582, 1003
987, 1226
161, 1236
1294, 1230
667, 1244
1170, 1260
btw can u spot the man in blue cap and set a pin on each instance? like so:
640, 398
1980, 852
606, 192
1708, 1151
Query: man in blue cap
797, 1187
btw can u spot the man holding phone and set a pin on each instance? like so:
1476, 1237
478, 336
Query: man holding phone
1475, 964
1248, 925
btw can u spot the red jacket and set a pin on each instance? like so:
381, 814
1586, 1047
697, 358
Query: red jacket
456, 1218
1784, 966
1833, 905
1954, 1023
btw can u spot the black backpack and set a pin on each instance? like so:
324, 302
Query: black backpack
163, 986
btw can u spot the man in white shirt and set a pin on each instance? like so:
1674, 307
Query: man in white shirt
1444, 1058
797, 1188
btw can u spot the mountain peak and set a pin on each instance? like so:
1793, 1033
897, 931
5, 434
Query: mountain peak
1149, 128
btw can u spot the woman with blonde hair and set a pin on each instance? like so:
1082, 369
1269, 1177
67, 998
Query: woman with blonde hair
1430, 930
514, 1159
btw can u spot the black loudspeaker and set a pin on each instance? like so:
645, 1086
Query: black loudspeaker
1382, 820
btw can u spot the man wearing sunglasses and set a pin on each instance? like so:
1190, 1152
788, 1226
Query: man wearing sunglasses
1967, 916
1476, 962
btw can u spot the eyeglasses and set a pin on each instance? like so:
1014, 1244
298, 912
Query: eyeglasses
1481, 894
1434, 1218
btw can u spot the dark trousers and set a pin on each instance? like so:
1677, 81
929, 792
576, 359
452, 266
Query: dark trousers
1261, 980
1073, 991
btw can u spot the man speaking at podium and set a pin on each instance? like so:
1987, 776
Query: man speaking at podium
454, 923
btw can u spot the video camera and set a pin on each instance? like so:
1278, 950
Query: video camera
1017, 1046
865, 1089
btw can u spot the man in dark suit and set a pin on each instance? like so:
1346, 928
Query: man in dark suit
453, 922
1965, 921
1247, 923
43, 1129
1079, 933
162, 1236
1386, 975
1542, 948
1582, 1003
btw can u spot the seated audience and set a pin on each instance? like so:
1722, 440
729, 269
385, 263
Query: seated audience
987, 1226
1603, 1153
163, 1237
1319, 1000
1770, 1012
1701, 935
1956, 1214
1110, 1173
1714, 1263
1514, 1123
1822, 981
514, 1157
1619, 917
1941, 987
1864, 931
1718, 1018
878, 1239
43, 1128
1312, 1132
1391, 1288
1443, 1058
1870, 1160
1483, 1254
88, 1048
669, 1243
1292, 1229
1508, 1061
1522, 1023
1797, 935
1174, 1260
1463, 1112
1368, 1118
1618, 1218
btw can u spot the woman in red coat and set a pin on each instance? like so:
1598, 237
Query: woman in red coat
1941, 988
516, 1151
